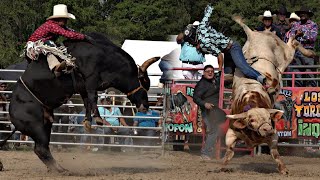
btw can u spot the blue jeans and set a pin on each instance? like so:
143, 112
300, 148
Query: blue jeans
165, 67
107, 130
241, 63
211, 135
306, 61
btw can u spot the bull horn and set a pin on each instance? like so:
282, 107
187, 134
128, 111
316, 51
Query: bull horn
147, 63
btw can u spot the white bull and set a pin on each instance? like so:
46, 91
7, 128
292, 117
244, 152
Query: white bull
253, 118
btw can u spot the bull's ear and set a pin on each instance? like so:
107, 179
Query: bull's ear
275, 114
240, 124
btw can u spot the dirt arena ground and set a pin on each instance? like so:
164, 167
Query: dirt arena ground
151, 165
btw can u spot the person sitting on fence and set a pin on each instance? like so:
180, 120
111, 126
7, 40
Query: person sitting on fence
146, 122
190, 56
111, 121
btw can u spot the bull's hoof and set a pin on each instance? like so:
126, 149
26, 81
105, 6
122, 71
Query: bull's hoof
284, 171
99, 120
87, 125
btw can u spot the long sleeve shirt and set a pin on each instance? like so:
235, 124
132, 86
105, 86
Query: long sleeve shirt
272, 29
50, 30
211, 41
206, 91
310, 33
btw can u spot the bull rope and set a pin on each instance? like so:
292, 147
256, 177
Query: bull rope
258, 58
135, 90
33, 94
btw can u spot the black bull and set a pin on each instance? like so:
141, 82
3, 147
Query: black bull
99, 65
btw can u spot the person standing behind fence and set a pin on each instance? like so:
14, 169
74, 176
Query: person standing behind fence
146, 122
267, 19
206, 96
294, 18
306, 32
190, 56
4, 116
112, 121
282, 24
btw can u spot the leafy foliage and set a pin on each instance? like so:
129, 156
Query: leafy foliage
131, 19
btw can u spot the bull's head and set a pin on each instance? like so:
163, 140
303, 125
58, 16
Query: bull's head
257, 119
139, 95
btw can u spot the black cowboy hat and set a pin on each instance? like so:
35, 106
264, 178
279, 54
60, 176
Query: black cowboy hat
304, 9
282, 10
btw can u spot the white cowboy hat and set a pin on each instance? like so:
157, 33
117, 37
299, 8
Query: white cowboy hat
61, 11
294, 16
267, 14
196, 23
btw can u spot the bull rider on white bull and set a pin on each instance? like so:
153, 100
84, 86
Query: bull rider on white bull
213, 42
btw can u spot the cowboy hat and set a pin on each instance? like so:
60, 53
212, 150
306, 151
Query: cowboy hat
196, 23
294, 16
267, 14
304, 9
282, 10
61, 11
104, 96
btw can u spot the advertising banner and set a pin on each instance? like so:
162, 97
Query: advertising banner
183, 112
301, 118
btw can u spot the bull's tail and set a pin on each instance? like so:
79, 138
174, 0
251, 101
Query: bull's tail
3, 142
238, 19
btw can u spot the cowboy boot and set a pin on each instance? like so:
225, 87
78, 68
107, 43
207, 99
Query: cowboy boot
60, 67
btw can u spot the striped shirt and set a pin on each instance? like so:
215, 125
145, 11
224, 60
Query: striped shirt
211, 41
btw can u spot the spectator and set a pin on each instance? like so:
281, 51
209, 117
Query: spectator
80, 129
159, 99
111, 121
3, 116
267, 19
168, 62
282, 24
306, 32
294, 18
72, 119
146, 122
190, 56
213, 42
60, 119
206, 96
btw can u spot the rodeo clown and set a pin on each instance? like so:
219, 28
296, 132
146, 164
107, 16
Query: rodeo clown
42, 40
